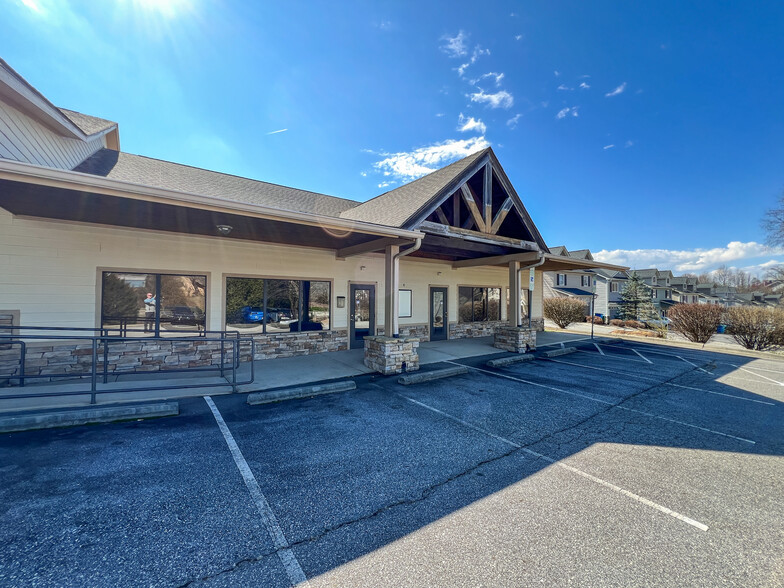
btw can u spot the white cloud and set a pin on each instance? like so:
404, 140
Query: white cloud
276, 132
439, 114
686, 260
584, 86
33, 5
512, 122
455, 46
501, 99
363, 174
628, 144
610, 146
478, 52
518, 37
386, 184
557, 73
760, 269
495, 76
563, 87
461, 69
467, 125
618, 90
407, 166
568, 111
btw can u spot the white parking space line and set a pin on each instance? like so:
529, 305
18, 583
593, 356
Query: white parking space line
721, 394
288, 559
586, 475
616, 372
758, 375
598, 348
612, 404
641, 355
613, 356
693, 364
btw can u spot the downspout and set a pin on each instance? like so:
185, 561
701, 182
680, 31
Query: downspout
396, 260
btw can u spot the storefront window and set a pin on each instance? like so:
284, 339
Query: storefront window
260, 305
479, 304
153, 304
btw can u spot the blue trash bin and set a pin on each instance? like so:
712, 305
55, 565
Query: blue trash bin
720, 329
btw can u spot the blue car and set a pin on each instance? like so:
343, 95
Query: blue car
253, 314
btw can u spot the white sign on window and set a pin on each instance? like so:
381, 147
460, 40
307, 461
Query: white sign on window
404, 303
531, 279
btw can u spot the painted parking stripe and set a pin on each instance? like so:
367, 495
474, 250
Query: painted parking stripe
693, 364
641, 355
721, 394
758, 375
586, 475
616, 372
288, 559
598, 348
613, 356
613, 405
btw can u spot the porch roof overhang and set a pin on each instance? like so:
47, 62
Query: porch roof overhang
551, 262
41, 192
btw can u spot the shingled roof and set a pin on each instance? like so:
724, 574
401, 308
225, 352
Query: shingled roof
396, 207
89, 125
136, 169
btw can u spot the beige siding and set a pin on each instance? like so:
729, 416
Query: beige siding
51, 270
24, 139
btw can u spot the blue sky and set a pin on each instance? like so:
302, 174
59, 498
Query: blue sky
650, 131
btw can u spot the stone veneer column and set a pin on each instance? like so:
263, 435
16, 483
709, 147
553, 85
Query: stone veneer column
387, 355
514, 339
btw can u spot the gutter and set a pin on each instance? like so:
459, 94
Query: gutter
395, 260
71, 180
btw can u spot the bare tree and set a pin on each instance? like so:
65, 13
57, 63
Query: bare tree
773, 223
722, 275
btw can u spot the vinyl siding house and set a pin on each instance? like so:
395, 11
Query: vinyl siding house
609, 287
577, 283
87, 231
660, 283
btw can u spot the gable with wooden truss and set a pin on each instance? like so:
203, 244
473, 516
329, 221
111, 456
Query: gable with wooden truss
481, 206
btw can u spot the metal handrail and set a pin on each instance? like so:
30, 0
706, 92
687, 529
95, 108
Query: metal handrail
235, 342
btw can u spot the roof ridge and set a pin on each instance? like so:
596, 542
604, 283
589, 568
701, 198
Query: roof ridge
212, 171
435, 171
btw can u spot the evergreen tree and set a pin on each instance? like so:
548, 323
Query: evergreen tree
635, 303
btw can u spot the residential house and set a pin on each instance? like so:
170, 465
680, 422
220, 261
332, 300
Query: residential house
574, 283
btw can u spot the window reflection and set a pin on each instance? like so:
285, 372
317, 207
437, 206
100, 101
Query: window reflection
479, 304
153, 304
261, 305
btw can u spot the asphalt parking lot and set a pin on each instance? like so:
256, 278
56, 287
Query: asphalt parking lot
623, 464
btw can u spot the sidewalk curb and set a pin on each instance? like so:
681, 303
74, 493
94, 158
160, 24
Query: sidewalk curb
86, 416
300, 392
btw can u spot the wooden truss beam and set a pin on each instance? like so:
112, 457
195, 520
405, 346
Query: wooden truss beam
487, 196
500, 215
523, 258
468, 198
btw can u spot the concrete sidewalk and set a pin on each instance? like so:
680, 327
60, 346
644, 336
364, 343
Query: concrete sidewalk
270, 374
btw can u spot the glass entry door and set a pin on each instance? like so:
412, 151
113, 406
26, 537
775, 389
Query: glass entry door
362, 314
438, 314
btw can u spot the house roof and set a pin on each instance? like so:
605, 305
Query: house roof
156, 173
574, 291
89, 125
646, 273
396, 207
607, 273
581, 254
559, 250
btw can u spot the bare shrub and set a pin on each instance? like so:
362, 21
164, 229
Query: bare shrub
756, 328
696, 322
597, 320
564, 311
616, 322
633, 324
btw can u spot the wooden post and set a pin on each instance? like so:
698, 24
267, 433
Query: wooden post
391, 282
514, 317
487, 197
